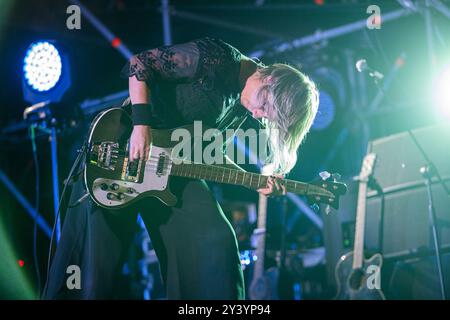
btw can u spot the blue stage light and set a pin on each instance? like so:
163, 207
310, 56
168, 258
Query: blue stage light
325, 114
46, 73
42, 66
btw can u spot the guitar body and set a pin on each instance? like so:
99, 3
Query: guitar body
114, 126
114, 182
356, 277
352, 283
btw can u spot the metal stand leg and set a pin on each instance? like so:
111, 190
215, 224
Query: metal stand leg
55, 178
432, 221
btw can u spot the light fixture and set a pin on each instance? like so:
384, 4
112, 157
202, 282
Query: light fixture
46, 73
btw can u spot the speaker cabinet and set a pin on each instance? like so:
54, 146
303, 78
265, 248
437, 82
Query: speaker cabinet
399, 160
405, 224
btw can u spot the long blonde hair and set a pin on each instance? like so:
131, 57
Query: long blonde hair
295, 100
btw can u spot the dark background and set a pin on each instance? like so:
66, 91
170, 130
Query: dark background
95, 68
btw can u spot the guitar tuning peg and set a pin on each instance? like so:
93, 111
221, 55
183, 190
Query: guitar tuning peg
324, 175
336, 176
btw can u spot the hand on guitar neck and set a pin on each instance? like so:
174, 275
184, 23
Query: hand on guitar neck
275, 187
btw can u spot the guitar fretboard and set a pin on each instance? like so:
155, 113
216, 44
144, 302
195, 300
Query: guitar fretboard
238, 177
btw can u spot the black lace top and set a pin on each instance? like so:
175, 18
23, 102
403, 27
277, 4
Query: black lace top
197, 80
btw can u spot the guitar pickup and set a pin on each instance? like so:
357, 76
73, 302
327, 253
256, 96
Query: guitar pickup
104, 155
161, 164
131, 170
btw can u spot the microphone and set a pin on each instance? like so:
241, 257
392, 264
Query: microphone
362, 66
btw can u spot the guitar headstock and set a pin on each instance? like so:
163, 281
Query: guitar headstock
328, 192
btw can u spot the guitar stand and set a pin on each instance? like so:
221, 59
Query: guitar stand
50, 130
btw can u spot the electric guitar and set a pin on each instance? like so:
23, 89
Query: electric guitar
354, 274
114, 182
264, 284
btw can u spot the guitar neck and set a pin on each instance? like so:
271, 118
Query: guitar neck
358, 250
238, 177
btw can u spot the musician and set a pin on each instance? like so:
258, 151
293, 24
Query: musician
211, 81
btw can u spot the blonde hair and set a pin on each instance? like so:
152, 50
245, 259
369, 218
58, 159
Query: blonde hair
295, 100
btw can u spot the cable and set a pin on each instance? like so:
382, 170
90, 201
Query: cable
36, 167
81, 152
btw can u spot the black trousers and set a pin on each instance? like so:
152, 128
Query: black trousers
195, 245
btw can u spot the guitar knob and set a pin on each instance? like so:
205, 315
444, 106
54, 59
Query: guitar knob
104, 186
114, 186
336, 176
324, 175
130, 190
120, 196
110, 196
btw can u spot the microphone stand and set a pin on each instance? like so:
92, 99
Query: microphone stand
39, 116
51, 131
429, 171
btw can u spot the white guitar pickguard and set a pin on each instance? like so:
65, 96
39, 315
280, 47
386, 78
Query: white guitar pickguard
153, 180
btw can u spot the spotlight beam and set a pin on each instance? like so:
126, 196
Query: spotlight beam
27, 206
105, 32
442, 8
441, 94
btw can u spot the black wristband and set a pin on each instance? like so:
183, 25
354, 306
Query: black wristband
141, 114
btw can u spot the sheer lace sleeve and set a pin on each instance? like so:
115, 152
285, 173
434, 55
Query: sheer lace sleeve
195, 60
176, 62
